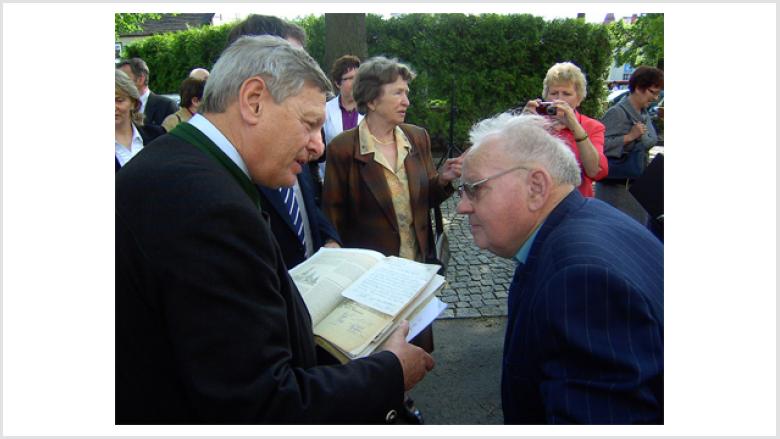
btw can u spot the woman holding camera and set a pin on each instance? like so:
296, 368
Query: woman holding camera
563, 91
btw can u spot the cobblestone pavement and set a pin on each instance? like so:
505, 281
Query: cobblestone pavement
477, 280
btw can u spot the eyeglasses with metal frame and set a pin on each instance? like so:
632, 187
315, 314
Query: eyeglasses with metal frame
472, 189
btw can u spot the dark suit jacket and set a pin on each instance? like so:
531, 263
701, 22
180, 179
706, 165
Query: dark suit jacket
148, 133
584, 338
157, 109
357, 199
209, 326
322, 230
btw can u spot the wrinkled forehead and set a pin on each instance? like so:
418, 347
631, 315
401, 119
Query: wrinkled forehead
483, 157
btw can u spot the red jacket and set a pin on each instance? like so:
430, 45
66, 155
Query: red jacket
595, 130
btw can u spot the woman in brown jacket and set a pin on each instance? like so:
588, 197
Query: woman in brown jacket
380, 181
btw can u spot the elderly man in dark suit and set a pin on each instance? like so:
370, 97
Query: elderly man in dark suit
584, 338
209, 326
154, 107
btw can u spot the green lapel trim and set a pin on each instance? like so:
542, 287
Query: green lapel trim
194, 136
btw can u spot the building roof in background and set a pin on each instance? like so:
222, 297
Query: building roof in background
172, 23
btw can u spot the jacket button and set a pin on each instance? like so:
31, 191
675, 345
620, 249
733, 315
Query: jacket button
391, 415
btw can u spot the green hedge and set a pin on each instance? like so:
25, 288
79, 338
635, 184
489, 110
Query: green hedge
495, 62
170, 57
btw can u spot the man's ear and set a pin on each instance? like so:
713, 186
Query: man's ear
539, 186
251, 98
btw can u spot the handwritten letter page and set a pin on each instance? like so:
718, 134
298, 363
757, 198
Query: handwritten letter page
391, 284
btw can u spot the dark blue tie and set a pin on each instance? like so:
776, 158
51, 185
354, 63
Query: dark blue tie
295, 214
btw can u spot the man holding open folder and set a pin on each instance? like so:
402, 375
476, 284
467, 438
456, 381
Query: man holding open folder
209, 326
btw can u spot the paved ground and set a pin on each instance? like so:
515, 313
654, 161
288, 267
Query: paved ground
477, 281
465, 386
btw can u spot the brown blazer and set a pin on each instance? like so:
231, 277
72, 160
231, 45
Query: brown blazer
356, 197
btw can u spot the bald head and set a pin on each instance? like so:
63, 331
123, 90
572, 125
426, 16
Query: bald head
199, 73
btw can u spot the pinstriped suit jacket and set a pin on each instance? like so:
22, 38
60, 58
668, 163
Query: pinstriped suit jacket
584, 338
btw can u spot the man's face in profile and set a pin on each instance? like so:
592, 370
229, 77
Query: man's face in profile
288, 137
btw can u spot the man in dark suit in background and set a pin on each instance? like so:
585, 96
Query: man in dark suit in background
155, 107
315, 229
584, 337
210, 327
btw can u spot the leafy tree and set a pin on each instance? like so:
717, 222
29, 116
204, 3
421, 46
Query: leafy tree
131, 22
641, 43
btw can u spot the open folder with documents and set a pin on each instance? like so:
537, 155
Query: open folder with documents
357, 298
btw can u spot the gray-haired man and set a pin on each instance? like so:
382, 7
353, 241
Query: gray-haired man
209, 326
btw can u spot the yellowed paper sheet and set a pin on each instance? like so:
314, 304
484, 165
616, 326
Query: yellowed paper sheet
323, 277
352, 326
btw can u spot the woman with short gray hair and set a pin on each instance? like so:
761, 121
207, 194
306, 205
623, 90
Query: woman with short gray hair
380, 181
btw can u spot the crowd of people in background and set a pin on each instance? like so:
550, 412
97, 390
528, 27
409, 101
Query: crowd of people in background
257, 170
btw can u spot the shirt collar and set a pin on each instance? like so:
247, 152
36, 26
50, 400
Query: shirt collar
630, 108
367, 145
136, 135
522, 255
215, 135
342, 106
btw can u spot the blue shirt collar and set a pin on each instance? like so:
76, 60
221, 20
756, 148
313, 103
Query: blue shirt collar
522, 254
219, 139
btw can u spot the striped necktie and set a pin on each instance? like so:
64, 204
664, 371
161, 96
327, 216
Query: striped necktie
295, 213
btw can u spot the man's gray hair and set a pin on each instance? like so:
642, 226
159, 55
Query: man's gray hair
284, 68
526, 138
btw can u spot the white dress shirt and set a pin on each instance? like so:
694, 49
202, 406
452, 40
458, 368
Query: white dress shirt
144, 98
136, 145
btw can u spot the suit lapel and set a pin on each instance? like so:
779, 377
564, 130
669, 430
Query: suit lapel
417, 176
275, 200
415, 172
372, 176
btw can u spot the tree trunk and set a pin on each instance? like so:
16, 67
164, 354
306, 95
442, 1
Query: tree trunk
345, 34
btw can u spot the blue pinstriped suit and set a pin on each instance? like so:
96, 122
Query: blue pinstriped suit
584, 338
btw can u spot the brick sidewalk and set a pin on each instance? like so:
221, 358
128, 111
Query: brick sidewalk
477, 281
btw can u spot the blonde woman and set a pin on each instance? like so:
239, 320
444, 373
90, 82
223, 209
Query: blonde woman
564, 89
130, 134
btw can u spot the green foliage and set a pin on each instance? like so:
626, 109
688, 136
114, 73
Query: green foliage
641, 43
492, 62
170, 57
315, 37
131, 22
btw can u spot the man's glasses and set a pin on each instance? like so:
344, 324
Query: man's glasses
472, 189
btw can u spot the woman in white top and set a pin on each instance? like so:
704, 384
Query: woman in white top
341, 112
